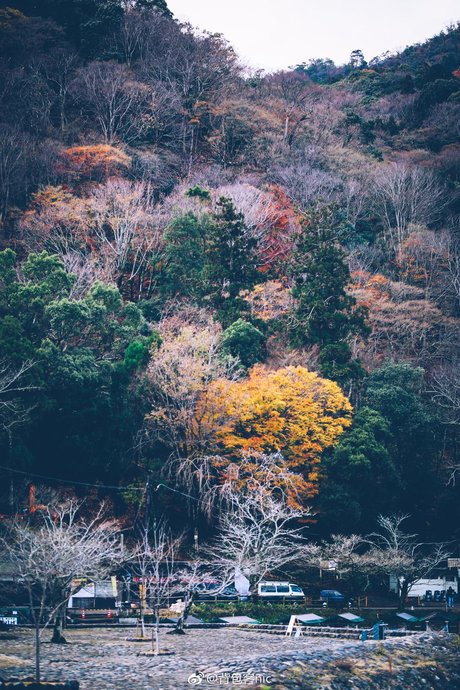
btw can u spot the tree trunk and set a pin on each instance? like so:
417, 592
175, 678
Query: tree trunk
254, 587
142, 620
286, 127
156, 646
179, 627
142, 602
58, 637
37, 651
403, 592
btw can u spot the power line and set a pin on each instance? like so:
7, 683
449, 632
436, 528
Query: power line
169, 488
70, 481
96, 486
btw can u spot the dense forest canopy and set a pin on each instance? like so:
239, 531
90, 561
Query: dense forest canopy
212, 276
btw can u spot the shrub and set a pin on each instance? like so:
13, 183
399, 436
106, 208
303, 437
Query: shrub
243, 340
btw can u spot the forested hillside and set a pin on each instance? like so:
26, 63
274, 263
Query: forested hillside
212, 277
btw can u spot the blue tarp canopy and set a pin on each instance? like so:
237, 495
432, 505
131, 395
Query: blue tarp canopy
239, 620
350, 618
310, 619
408, 617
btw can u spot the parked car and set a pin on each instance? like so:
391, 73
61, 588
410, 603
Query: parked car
229, 592
332, 597
279, 590
213, 590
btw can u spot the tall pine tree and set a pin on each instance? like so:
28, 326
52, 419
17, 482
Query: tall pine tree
230, 265
325, 314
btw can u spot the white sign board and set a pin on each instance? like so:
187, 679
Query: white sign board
9, 620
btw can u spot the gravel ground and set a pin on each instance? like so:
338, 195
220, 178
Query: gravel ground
105, 659
428, 662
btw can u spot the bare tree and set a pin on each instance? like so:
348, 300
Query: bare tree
15, 406
356, 199
395, 552
13, 154
59, 69
219, 480
187, 361
342, 550
424, 259
295, 94
453, 269
112, 233
116, 102
196, 67
187, 582
55, 222
134, 35
13, 385
84, 268
344, 555
406, 195
154, 560
258, 534
256, 205
364, 259
120, 217
445, 391
307, 184
404, 324
47, 559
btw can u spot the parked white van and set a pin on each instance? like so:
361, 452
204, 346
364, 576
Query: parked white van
279, 590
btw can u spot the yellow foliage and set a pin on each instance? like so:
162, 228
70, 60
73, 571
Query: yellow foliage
291, 411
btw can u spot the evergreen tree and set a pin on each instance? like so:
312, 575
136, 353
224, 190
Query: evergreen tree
360, 478
81, 390
184, 256
325, 313
243, 340
92, 25
160, 5
230, 262
386, 462
396, 391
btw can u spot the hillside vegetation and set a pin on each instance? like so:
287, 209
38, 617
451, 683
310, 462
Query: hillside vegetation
213, 277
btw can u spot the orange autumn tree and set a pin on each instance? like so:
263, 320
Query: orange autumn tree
291, 411
93, 162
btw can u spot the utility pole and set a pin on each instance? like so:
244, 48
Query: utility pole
148, 499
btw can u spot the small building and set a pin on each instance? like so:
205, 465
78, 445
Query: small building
418, 589
439, 580
95, 595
